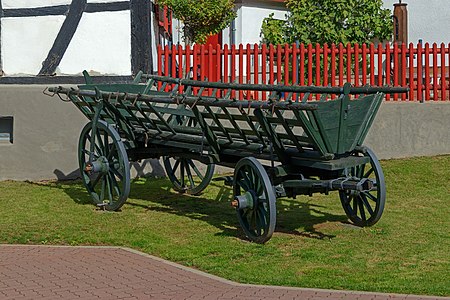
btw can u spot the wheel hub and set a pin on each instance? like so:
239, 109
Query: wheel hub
246, 200
100, 165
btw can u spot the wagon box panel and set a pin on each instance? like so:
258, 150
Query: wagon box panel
345, 122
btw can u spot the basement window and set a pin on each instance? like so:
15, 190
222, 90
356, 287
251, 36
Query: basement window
6, 130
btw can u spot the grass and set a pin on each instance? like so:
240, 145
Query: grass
408, 251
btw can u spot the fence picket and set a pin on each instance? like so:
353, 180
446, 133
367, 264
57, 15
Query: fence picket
419, 73
427, 71
423, 69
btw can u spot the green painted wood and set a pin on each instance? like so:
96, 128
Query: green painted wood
230, 118
330, 165
311, 132
288, 130
277, 145
330, 127
252, 126
344, 121
209, 134
219, 125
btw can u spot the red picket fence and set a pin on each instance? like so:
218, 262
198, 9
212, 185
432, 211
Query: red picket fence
424, 70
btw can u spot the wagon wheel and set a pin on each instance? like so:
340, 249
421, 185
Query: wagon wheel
254, 199
365, 208
104, 165
186, 174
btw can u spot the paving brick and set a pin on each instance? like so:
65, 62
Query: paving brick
44, 272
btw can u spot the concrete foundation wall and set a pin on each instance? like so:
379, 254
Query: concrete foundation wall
46, 132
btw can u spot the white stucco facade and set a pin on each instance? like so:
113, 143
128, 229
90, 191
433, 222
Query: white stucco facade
101, 43
33, 3
26, 43
249, 20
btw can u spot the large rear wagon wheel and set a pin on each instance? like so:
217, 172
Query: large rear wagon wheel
365, 208
188, 175
254, 199
104, 165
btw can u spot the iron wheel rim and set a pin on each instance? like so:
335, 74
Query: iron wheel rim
365, 208
109, 189
259, 221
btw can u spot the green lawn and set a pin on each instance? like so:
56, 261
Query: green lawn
408, 251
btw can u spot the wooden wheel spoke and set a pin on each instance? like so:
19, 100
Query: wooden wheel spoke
246, 179
115, 183
185, 180
102, 190
259, 189
111, 151
370, 196
243, 184
182, 168
245, 214
348, 198
360, 173
106, 143
253, 219
263, 217
262, 198
251, 177
109, 188
116, 172
189, 175
94, 146
93, 184
361, 208
175, 166
196, 170
368, 173
366, 204
87, 152
99, 143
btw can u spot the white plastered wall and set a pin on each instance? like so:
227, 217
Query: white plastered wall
101, 43
249, 21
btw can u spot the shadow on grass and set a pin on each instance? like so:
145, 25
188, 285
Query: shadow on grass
216, 210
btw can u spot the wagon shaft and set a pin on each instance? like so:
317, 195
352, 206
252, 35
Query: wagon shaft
309, 146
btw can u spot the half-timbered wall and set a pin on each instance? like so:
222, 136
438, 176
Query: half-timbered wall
105, 37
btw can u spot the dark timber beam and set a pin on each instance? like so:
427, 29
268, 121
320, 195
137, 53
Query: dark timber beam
58, 10
141, 36
64, 37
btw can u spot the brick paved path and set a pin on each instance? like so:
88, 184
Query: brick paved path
41, 272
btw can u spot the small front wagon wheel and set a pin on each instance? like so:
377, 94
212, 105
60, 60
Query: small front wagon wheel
365, 208
254, 200
188, 175
104, 165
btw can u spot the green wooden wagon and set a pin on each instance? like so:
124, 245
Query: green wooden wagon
283, 147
